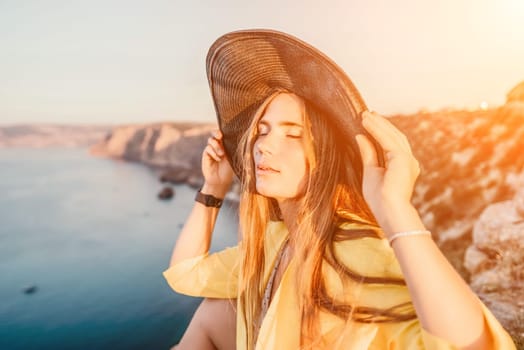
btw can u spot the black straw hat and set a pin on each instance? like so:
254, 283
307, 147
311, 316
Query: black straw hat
245, 67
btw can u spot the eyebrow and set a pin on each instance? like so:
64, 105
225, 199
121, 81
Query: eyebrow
284, 123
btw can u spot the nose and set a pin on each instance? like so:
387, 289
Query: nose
264, 146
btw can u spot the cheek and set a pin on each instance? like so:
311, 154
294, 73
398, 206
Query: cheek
301, 166
300, 160
297, 165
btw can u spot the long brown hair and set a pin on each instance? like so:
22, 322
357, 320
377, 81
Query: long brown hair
333, 187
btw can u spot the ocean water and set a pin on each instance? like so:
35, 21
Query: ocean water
93, 238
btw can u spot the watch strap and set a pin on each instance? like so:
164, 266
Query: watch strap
208, 200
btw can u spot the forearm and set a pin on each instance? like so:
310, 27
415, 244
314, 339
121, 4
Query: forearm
445, 305
195, 237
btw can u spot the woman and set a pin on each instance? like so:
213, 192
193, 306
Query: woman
333, 254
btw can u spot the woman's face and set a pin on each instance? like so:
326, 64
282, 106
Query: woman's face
279, 154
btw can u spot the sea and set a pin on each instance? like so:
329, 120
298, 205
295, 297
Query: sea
83, 244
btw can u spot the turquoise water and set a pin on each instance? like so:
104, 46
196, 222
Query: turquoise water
93, 238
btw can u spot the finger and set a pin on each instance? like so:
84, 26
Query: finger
211, 152
392, 129
217, 134
387, 135
381, 128
216, 145
367, 151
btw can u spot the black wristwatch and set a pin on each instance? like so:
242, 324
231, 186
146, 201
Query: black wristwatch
208, 200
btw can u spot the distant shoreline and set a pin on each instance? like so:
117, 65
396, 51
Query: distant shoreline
41, 135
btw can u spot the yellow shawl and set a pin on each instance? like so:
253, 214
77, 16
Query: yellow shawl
215, 276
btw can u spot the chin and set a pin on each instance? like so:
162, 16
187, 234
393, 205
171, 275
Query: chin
274, 193
266, 191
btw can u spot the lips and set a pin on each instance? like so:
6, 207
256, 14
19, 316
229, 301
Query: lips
264, 168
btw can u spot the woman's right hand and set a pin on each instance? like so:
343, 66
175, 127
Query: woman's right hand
216, 169
195, 237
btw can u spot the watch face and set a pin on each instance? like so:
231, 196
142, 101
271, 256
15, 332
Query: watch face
215, 202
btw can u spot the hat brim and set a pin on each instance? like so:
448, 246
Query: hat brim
245, 67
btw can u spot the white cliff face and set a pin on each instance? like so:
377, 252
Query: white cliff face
174, 147
117, 144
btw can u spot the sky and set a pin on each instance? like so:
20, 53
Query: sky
92, 62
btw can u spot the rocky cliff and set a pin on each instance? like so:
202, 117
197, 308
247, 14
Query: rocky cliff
468, 160
174, 148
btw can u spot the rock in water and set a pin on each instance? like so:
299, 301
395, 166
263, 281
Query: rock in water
166, 193
30, 289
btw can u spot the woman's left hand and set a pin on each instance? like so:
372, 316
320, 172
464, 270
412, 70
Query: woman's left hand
387, 190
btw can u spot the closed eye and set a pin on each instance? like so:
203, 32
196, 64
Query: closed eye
262, 130
294, 133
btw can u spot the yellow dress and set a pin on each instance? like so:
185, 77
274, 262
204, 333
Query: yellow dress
215, 276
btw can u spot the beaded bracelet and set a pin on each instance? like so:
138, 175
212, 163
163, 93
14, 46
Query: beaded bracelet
408, 233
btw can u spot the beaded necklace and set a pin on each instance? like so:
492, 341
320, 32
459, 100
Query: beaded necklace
269, 286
